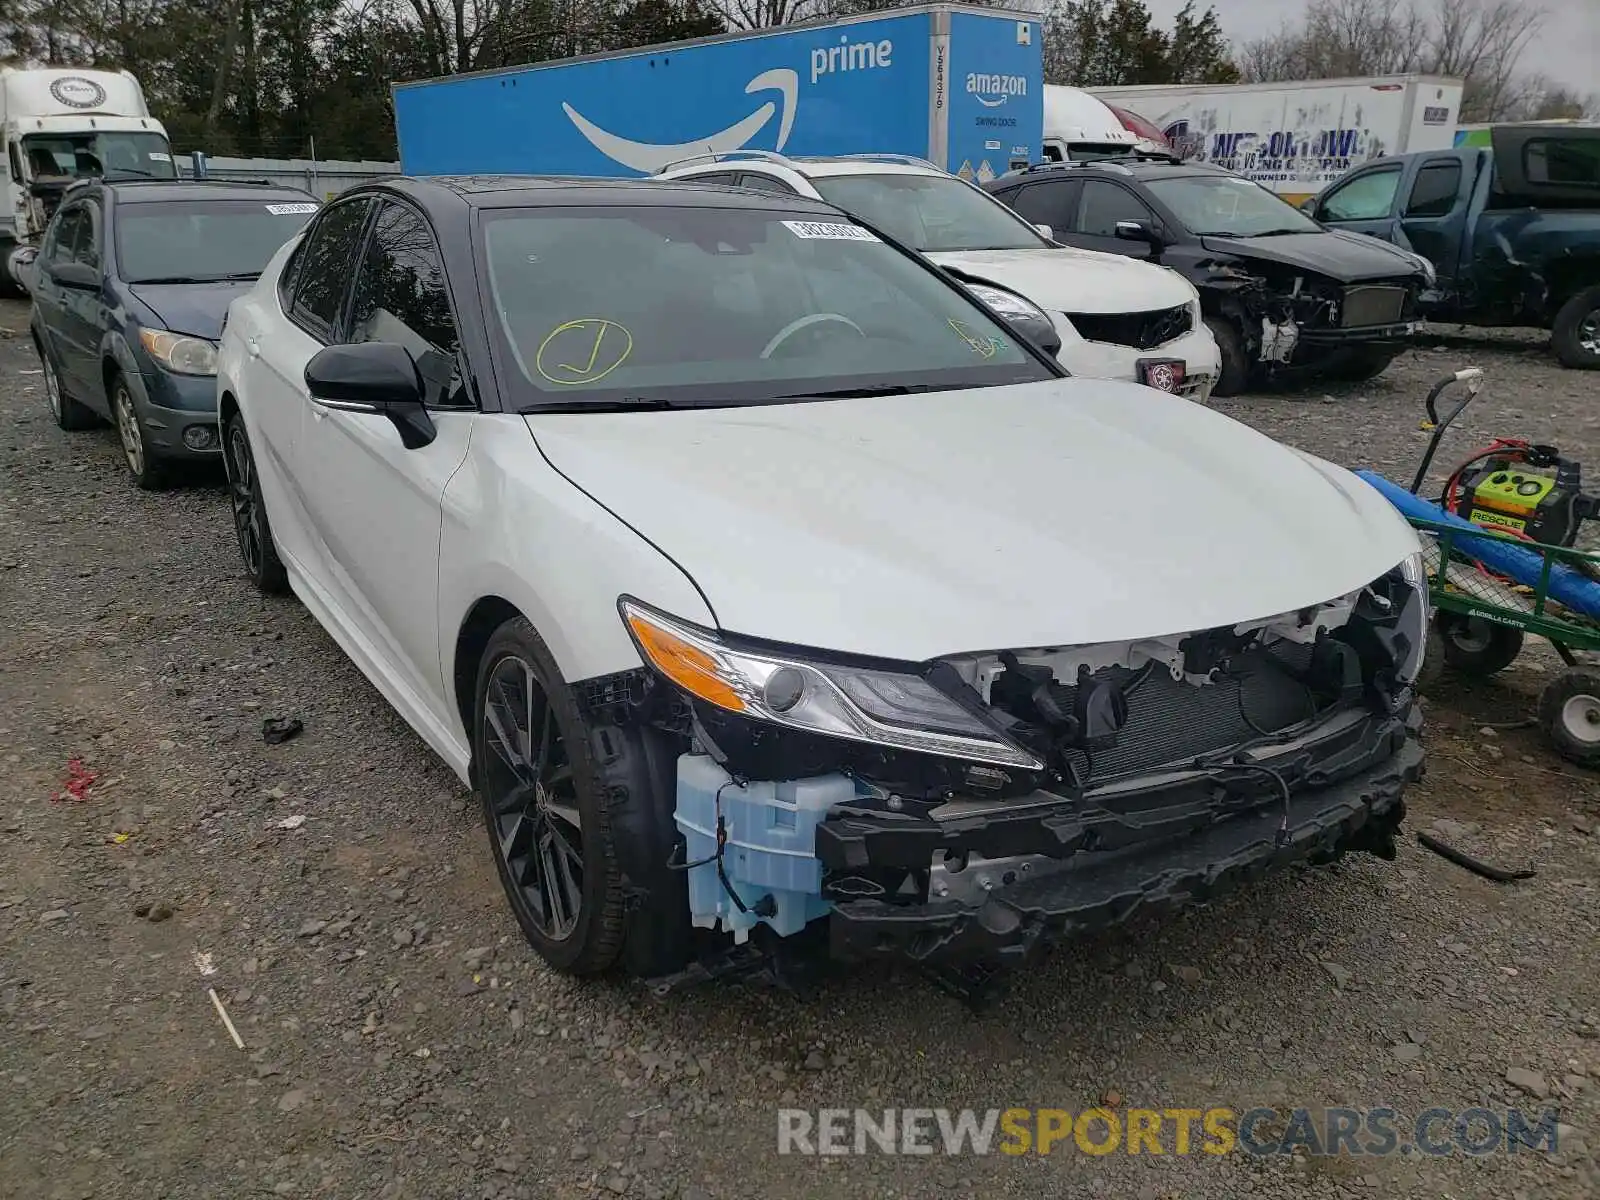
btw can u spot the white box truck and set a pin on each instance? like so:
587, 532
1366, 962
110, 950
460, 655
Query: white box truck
61, 125
1295, 138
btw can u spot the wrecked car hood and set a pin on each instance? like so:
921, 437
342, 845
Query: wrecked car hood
1337, 254
916, 526
1070, 280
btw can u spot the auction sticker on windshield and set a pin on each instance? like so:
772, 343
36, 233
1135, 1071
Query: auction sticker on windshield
838, 231
284, 210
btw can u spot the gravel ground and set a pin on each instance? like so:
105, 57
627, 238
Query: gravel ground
402, 1041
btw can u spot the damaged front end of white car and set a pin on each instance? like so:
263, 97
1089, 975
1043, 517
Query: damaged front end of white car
966, 812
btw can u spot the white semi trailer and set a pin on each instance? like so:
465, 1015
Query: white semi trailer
1295, 138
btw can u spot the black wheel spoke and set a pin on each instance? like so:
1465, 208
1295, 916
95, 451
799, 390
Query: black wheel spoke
565, 812
530, 794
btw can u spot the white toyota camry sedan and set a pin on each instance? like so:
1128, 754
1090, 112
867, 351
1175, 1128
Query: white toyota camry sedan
775, 596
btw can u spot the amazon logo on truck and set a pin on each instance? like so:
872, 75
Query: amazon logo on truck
994, 90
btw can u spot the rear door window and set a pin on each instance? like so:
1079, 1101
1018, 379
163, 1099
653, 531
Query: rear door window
1434, 192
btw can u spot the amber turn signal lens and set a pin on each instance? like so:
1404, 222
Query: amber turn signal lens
688, 666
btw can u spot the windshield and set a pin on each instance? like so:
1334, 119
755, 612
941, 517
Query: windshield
930, 213
202, 241
1227, 206
665, 305
81, 155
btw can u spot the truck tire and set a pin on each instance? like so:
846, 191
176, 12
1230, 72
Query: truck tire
1235, 374
1576, 333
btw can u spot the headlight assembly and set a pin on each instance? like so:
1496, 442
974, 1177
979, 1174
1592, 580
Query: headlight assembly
180, 353
1007, 305
859, 704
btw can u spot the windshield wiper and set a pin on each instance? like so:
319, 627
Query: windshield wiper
626, 404
1281, 232
236, 277
883, 389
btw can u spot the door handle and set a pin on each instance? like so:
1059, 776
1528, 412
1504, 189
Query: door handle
253, 346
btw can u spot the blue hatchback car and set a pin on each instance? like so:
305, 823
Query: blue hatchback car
130, 289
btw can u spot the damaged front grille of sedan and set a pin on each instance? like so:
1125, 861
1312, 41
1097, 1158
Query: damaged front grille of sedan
1139, 330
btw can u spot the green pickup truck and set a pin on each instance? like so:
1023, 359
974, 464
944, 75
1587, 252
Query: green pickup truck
1512, 229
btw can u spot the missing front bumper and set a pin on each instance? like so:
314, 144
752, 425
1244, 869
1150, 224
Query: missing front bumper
1095, 890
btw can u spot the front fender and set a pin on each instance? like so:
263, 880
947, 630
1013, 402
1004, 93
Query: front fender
115, 352
515, 528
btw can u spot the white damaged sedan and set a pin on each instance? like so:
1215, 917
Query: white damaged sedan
774, 597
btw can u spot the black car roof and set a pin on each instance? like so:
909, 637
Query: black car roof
154, 191
557, 191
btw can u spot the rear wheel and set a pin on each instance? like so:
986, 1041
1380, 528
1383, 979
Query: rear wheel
68, 413
545, 809
1234, 376
1474, 646
250, 523
1576, 333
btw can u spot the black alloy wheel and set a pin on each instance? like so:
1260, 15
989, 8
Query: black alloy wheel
546, 821
260, 556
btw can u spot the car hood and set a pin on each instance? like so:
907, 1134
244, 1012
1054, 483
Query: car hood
1068, 511
196, 309
1338, 254
1068, 280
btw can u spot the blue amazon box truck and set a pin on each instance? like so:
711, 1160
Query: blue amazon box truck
959, 86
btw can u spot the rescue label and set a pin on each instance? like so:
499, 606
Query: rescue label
284, 210
1480, 517
836, 231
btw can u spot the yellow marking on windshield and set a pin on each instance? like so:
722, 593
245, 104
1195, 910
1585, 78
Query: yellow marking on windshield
987, 347
600, 345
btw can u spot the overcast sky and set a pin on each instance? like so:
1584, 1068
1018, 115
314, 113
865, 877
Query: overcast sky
1567, 48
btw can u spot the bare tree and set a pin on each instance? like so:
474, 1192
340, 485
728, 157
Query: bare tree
1481, 42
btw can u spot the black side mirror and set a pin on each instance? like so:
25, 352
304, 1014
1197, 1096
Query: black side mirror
1139, 231
80, 277
380, 378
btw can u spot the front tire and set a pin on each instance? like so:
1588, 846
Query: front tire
1575, 335
250, 523
1234, 377
546, 812
149, 473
